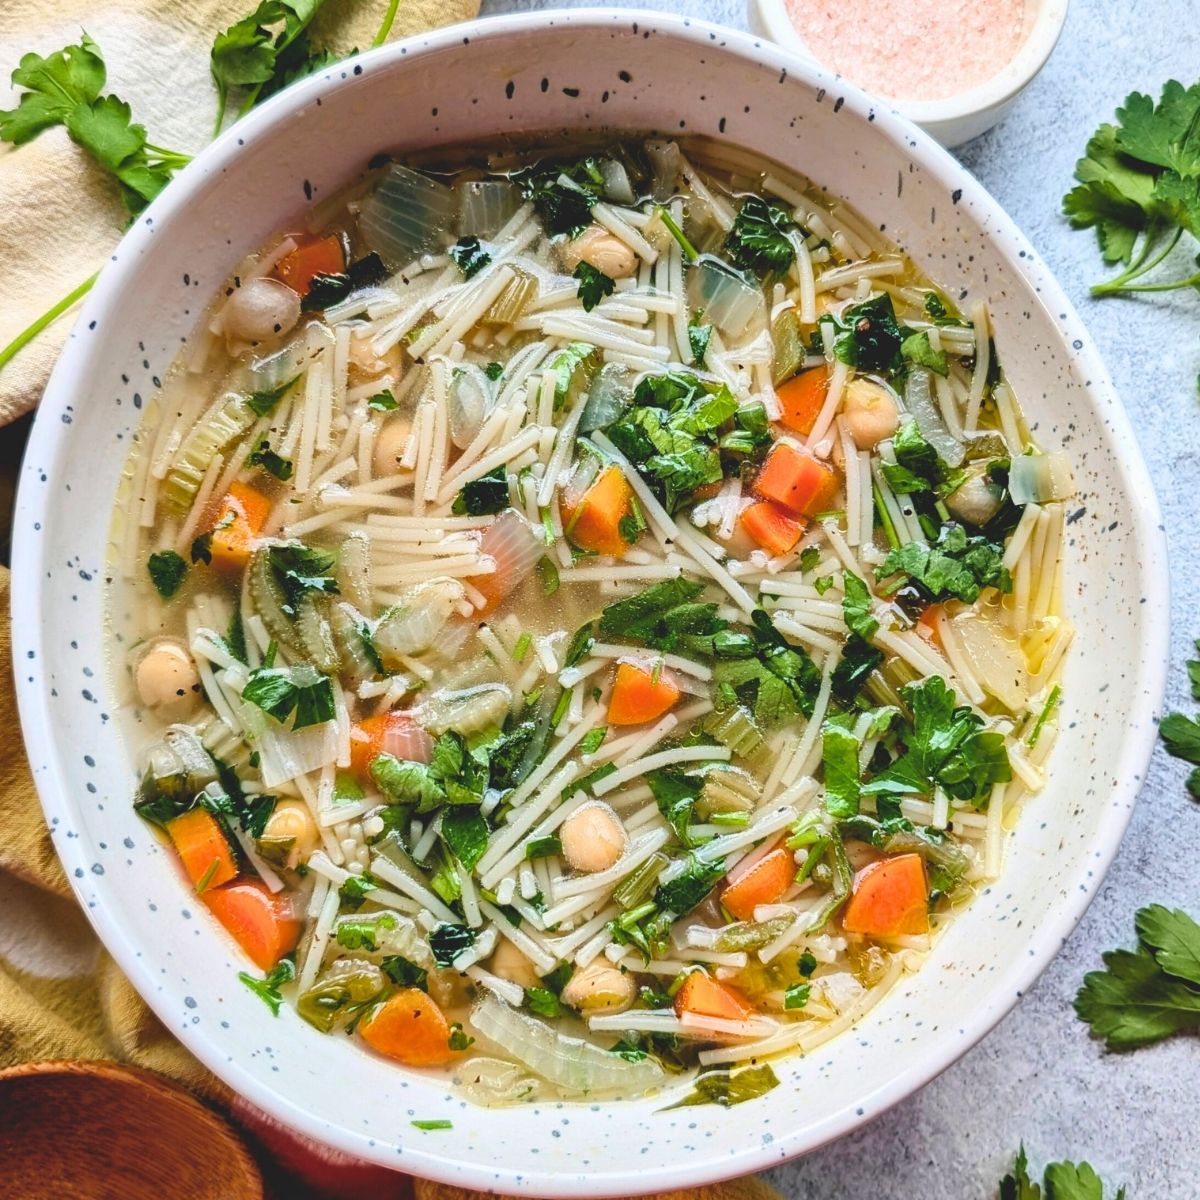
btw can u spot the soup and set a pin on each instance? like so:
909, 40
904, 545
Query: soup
594, 610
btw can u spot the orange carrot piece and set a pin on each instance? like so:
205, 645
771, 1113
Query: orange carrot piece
802, 398
637, 696
797, 481
763, 883
772, 528
239, 520
312, 257
889, 898
386, 733
703, 996
264, 925
595, 522
202, 845
927, 625
410, 1028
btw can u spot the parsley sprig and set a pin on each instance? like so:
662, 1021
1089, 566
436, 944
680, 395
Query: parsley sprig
1181, 734
1061, 1181
1150, 993
1139, 187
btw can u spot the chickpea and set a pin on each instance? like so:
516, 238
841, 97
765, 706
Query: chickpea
166, 678
593, 837
291, 821
605, 251
599, 987
509, 963
260, 311
869, 412
390, 442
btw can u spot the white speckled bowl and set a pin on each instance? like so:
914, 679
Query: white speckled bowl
537, 72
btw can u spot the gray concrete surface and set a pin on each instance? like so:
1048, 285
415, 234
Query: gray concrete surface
1038, 1077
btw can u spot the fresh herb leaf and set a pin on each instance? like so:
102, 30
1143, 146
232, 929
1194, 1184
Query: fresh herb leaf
267, 988
404, 972
167, 571
946, 746
465, 831
440, 1123
263, 456
355, 890
483, 496
543, 1002
470, 255
681, 894
580, 645
918, 467
955, 565
301, 570
263, 403
859, 659
563, 193
857, 607
593, 740
543, 847
459, 1039
698, 338
759, 239
327, 290
839, 750
870, 338
594, 285
301, 690
1062, 1180
728, 1088
797, 995
383, 401
1150, 993
449, 941
494, 370
64, 89
916, 349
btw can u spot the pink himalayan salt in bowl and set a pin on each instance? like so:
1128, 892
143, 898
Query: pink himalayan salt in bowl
954, 67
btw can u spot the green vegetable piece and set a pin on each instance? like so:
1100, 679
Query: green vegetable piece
167, 571
263, 456
759, 238
470, 255
483, 496
267, 988
728, 1088
594, 285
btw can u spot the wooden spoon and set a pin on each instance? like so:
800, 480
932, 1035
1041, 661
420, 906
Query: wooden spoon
98, 1130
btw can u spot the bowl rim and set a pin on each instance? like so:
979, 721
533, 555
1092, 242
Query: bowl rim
1049, 18
1013, 978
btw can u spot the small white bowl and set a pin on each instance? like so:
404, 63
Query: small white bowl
956, 119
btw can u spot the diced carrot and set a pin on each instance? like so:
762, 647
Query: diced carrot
263, 924
312, 257
772, 528
763, 883
889, 898
703, 996
797, 481
393, 733
638, 696
239, 520
202, 845
410, 1028
927, 625
802, 399
595, 522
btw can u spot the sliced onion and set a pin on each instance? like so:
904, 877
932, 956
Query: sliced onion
516, 547
570, 1062
729, 302
466, 710
469, 401
406, 214
918, 399
608, 397
616, 182
995, 657
486, 206
405, 739
1041, 478
788, 345
580, 479
976, 500
412, 626
664, 161
493, 1081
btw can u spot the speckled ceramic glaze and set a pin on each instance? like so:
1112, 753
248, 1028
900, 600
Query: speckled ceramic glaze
504, 76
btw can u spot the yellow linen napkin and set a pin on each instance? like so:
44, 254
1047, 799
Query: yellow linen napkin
62, 215
61, 996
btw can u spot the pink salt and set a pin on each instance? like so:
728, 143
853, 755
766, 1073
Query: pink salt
913, 49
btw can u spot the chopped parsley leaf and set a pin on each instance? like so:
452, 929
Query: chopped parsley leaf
167, 571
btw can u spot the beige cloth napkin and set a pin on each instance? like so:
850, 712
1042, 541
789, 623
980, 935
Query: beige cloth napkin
59, 215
